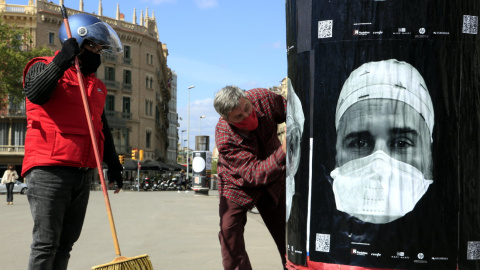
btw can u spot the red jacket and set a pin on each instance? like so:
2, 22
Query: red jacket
57, 131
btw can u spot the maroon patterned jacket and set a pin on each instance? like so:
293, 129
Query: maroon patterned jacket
251, 165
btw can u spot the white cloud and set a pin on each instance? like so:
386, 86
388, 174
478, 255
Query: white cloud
204, 4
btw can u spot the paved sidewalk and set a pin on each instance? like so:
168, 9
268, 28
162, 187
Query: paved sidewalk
177, 230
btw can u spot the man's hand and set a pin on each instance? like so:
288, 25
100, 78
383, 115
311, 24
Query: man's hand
111, 184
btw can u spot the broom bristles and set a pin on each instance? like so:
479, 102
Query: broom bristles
123, 263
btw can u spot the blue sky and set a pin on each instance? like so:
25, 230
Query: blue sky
211, 43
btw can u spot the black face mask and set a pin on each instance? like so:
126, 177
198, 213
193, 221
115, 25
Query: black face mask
90, 61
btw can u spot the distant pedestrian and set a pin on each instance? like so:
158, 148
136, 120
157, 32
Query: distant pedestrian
182, 181
9, 178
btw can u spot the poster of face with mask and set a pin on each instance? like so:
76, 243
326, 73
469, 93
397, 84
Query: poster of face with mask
384, 122
390, 148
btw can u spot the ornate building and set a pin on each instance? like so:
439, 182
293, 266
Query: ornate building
141, 101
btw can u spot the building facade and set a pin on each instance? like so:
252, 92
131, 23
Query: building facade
140, 105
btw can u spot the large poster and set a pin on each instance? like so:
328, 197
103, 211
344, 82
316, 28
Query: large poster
384, 152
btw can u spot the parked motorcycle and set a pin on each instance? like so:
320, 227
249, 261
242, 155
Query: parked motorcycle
155, 186
170, 184
147, 184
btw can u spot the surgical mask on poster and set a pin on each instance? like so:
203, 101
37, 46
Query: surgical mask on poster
377, 188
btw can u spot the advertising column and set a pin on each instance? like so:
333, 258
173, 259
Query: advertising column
383, 134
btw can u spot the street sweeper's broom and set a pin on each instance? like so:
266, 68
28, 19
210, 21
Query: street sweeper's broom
119, 263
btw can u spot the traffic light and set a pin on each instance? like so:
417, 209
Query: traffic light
134, 154
122, 159
140, 155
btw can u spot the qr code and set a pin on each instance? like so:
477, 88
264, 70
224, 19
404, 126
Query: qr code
470, 24
322, 242
473, 250
325, 29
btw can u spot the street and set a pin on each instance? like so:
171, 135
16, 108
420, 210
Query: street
177, 230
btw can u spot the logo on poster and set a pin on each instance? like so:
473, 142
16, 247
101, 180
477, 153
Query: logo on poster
421, 31
421, 256
402, 31
400, 255
358, 252
357, 32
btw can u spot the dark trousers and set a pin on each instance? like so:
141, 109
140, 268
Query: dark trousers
233, 219
58, 198
9, 187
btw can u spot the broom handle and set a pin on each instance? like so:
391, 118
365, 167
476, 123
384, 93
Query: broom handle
94, 139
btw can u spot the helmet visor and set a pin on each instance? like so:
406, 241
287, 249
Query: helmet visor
102, 34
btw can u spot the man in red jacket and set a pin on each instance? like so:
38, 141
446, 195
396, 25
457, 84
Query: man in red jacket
251, 168
59, 161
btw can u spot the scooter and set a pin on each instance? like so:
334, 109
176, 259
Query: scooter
155, 186
169, 184
146, 184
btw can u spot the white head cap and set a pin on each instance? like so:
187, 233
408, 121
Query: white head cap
389, 79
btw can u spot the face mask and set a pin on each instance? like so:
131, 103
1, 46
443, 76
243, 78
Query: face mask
90, 61
250, 123
377, 188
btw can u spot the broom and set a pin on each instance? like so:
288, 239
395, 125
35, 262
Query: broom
119, 263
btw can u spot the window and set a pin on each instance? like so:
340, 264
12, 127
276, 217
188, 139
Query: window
150, 110
146, 107
149, 58
127, 76
126, 105
146, 82
147, 138
110, 103
127, 52
51, 38
109, 74
3, 134
18, 134
151, 83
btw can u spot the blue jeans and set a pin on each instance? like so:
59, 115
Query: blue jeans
58, 198
9, 187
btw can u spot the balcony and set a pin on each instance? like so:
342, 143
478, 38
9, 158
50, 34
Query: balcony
16, 113
113, 85
126, 115
115, 119
110, 58
127, 87
12, 149
127, 61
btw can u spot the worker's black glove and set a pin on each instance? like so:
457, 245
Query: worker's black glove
64, 58
114, 175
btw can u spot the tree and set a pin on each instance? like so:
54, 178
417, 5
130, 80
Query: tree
14, 57
214, 167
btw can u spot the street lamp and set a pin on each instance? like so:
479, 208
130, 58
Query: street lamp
200, 125
188, 129
181, 142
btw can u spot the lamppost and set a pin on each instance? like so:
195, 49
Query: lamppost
181, 143
200, 125
188, 130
